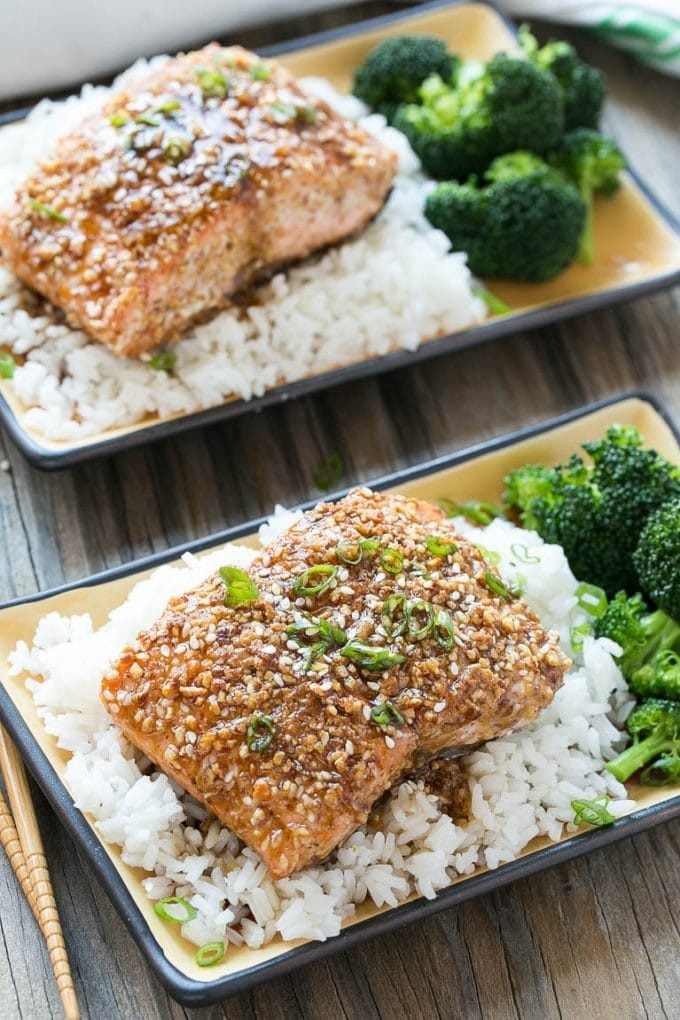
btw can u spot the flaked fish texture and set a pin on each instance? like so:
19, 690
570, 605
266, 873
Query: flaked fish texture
192, 182
370, 638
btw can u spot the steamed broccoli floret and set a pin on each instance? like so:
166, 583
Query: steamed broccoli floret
582, 86
393, 71
657, 557
648, 641
524, 223
596, 512
457, 131
655, 728
594, 164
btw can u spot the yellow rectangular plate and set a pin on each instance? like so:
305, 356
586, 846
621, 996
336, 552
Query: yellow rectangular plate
475, 474
637, 244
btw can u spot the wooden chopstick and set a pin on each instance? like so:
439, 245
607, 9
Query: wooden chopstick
35, 864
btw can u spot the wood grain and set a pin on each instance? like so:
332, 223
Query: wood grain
595, 938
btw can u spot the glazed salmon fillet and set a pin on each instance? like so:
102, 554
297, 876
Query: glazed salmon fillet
191, 183
362, 642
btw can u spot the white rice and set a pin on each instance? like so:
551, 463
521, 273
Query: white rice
392, 287
521, 785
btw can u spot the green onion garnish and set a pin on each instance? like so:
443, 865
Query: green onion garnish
385, 714
490, 555
323, 570
392, 561
148, 118
419, 619
497, 586
175, 149
118, 119
473, 512
495, 305
167, 106
164, 361
521, 553
47, 210
394, 615
444, 632
578, 634
240, 589
369, 656
281, 113
172, 901
210, 953
594, 812
352, 553
306, 113
260, 733
329, 472
317, 637
439, 546
7, 365
591, 599
212, 83
260, 72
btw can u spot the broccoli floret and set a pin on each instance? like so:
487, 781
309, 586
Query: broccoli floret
648, 641
594, 164
523, 224
394, 70
596, 512
657, 557
582, 86
655, 728
457, 131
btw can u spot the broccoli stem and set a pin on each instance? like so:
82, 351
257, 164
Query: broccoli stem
663, 631
637, 756
586, 246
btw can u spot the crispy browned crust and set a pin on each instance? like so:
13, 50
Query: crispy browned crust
187, 689
154, 237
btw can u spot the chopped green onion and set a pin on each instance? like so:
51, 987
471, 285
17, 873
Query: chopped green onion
493, 303
497, 586
490, 555
394, 615
47, 210
212, 83
521, 552
167, 106
210, 953
176, 149
392, 561
260, 72
260, 733
444, 632
171, 901
578, 634
439, 546
7, 365
324, 570
416, 627
317, 637
352, 553
591, 599
521, 585
418, 570
240, 589
119, 119
164, 361
473, 512
282, 113
329, 472
306, 113
369, 656
148, 118
594, 812
385, 714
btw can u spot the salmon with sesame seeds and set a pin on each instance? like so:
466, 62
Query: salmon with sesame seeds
363, 642
192, 182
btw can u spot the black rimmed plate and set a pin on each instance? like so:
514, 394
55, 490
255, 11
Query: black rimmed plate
473, 473
637, 244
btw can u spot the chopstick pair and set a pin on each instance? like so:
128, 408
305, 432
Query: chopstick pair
20, 836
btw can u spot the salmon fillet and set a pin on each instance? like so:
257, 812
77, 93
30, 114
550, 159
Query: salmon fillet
191, 183
290, 730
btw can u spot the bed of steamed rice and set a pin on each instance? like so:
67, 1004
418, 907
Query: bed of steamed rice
521, 785
391, 287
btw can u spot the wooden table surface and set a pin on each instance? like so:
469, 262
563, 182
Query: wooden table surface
596, 938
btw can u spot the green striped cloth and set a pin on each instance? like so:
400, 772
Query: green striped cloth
649, 29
